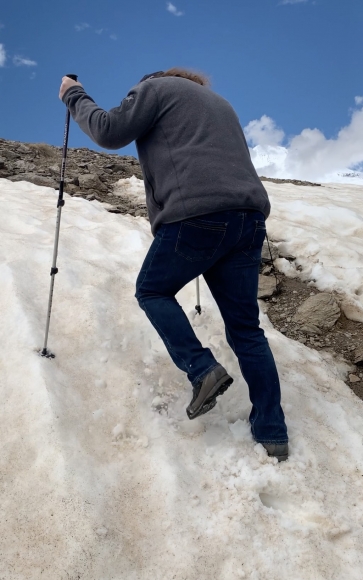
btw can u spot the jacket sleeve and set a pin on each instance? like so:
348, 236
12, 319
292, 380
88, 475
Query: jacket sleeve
119, 126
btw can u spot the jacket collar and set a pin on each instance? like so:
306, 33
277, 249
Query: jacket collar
152, 75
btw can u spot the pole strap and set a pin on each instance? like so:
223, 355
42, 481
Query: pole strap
277, 281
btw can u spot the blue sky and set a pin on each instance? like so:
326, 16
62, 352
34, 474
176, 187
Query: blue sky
296, 62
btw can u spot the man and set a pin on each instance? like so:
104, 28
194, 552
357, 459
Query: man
207, 209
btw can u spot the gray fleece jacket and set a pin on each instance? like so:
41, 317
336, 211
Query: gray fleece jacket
191, 147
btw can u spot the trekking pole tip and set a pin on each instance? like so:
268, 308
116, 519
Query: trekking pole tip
46, 353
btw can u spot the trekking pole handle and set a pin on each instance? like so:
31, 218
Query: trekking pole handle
65, 146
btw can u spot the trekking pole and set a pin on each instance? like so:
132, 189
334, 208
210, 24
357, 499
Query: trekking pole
60, 204
198, 306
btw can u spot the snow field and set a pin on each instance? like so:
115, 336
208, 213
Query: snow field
132, 187
103, 476
323, 228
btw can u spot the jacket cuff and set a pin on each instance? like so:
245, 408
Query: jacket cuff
70, 91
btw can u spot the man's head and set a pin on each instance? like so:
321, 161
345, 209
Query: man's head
196, 77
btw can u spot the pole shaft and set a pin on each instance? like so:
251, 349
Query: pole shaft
56, 240
198, 307
60, 204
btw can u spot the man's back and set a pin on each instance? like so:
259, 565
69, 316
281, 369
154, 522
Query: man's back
191, 147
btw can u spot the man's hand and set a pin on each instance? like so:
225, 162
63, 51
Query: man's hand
67, 83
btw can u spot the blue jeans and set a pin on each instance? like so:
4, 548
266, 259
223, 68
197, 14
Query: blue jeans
226, 248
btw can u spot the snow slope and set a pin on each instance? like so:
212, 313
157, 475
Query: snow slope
103, 477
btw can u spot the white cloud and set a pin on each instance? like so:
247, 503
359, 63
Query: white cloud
309, 155
264, 132
99, 30
82, 26
113, 36
292, 1
20, 61
32, 76
173, 9
2, 55
358, 100
2, 25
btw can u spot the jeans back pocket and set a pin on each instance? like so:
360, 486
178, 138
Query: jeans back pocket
199, 239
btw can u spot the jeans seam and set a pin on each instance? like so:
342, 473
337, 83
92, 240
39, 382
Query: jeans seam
177, 240
232, 341
254, 234
251, 258
152, 259
163, 335
252, 426
221, 228
241, 228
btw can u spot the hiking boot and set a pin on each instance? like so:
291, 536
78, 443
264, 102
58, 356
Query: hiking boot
206, 391
277, 450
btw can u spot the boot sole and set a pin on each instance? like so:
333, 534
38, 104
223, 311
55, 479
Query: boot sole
280, 457
211, 402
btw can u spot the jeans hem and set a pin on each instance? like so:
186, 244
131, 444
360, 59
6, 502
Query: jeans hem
270, 442
202, 376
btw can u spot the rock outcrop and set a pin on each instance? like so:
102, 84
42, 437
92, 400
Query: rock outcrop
88, 173
317, 313
293, 181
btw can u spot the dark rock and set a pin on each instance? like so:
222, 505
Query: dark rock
24, 166
91, 181
36, 179
54, 169
92, 168
286, 255
310, 329
267, 286
10, 155
266, 270
71, 189
319, 312
114, 210
117, 167
23, 148
358, 356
